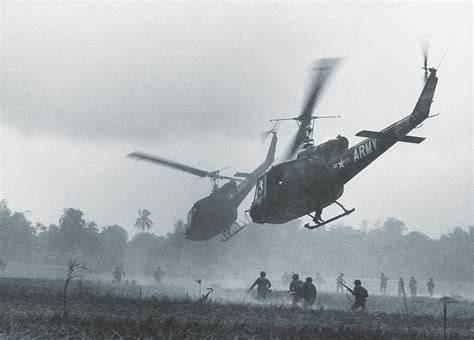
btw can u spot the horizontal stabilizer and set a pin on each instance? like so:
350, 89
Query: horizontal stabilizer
380, 135
241, 174
412, 139
370, 134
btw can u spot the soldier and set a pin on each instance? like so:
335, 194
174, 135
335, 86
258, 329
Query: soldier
430, 285
360, 294
412, 286
263, 286
3, 265
309, 292
340, 279
401, 286
296, 287
319, 280
158, 274
286, 278
283, 278
383, 284
117, 273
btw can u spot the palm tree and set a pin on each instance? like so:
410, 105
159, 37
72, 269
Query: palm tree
72, 218
91, 225
143, 222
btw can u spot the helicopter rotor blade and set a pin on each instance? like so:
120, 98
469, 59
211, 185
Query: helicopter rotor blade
178, 166
323, 70
219, 170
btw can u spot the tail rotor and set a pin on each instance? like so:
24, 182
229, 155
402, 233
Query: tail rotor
425, 45
273, 130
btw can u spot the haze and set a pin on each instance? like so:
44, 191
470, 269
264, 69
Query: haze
84, 84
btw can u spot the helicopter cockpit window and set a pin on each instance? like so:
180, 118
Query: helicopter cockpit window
191, 212
190, 217
260, 188
275, 178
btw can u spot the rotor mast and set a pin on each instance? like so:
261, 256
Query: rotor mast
306, 126
304, 136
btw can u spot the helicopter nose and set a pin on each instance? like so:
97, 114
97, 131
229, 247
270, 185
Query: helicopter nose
255, 212
189, 232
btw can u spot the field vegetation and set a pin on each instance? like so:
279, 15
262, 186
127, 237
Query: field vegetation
34, 308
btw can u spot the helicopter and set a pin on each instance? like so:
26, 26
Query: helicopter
217, 213
315, 179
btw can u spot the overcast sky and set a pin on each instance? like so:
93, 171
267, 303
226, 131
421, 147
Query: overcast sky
84, 84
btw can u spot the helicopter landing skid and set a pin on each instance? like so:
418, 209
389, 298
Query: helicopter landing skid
228, 234
319, 222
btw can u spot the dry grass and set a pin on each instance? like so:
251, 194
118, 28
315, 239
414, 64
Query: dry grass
33, 308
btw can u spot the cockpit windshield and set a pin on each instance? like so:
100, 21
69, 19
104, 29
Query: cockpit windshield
260, 188
190, 217
191, 213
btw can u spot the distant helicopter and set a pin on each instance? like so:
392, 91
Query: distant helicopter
315, 179
217, 213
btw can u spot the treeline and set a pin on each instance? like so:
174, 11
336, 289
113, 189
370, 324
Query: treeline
364, 252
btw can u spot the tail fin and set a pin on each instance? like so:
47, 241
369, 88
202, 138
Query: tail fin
271, 150
423, 105
251, 178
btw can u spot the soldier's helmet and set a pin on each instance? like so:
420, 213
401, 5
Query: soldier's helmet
309, 279
342, 274
357, 282
263, 274
296, 276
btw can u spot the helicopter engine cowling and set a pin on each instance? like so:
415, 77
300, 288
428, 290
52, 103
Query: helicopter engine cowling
327, 150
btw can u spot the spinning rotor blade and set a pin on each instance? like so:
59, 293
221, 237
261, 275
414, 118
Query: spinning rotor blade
323, 70
178, 166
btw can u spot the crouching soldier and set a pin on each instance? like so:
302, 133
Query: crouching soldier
360, 294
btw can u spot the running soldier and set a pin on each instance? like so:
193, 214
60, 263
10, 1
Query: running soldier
117, 273
412, 286
263, 286
309, 292
297, 288
320, 281
401, 287
430, 285
360, 294
158, 274
383, 284
339, 280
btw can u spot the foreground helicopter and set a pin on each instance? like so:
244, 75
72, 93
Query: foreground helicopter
315, 179
217, 213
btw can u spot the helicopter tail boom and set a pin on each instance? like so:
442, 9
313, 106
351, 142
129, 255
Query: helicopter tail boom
358, 157
245, 186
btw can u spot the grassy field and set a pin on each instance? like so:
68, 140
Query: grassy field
33, 308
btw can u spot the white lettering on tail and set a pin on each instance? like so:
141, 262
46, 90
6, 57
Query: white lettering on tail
365, 149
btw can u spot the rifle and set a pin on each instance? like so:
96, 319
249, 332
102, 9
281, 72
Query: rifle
342, 284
